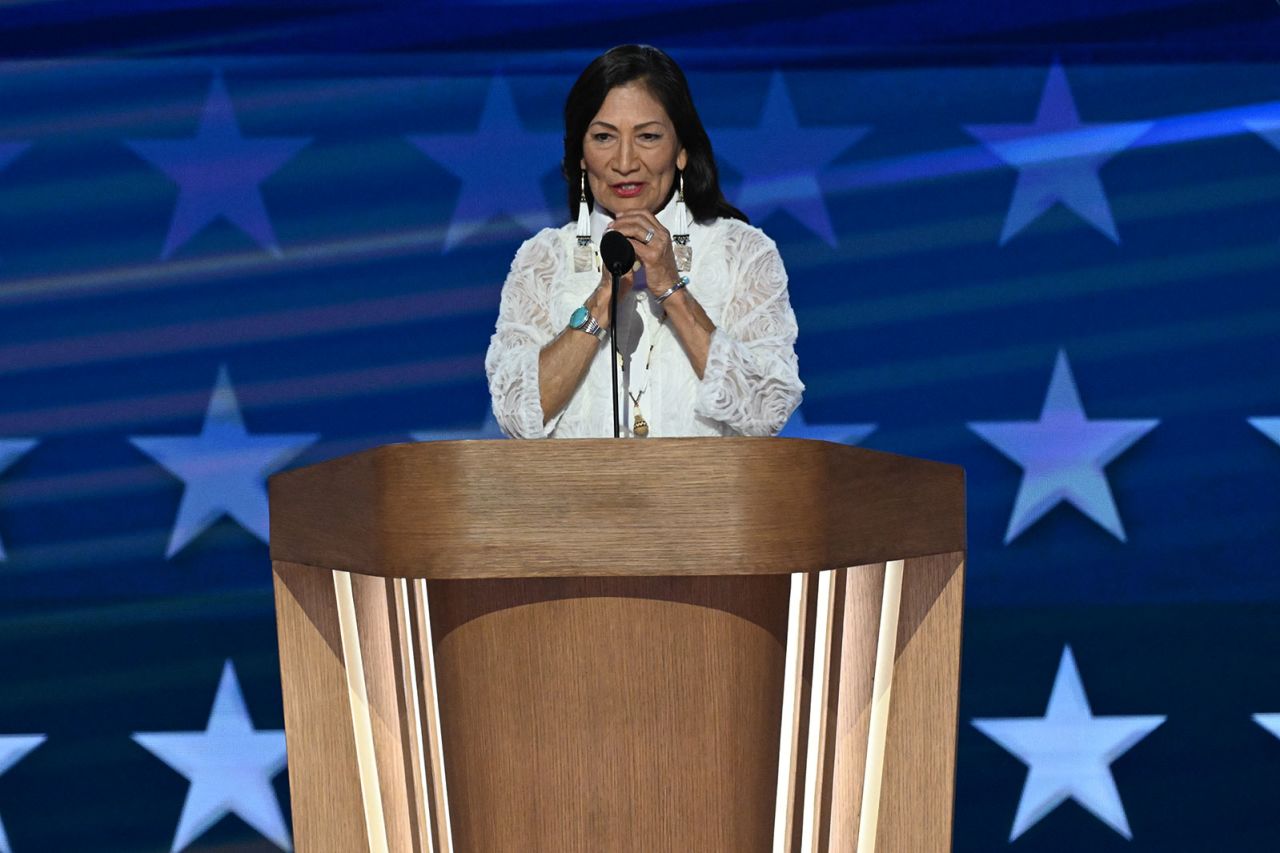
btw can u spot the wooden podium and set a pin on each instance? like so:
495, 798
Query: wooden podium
633, 645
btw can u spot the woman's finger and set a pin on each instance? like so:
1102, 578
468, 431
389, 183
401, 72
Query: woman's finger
638, 224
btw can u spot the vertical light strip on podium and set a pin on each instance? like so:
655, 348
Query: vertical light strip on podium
418, 749
789, 732
817, 704
881, 693
436, 793
361, 722
813, 719
794, 732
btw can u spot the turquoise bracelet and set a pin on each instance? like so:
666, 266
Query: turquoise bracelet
682, 281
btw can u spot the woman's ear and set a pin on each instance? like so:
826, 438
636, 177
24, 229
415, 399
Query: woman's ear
682, 159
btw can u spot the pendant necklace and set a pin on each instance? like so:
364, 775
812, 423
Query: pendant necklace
639, 426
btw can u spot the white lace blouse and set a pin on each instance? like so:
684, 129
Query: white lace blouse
750, 384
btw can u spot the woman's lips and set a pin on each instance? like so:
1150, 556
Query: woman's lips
626, 190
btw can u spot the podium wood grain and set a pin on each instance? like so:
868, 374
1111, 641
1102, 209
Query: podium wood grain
475, 509
609, 621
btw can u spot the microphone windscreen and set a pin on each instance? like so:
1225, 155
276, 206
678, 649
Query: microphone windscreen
617, 253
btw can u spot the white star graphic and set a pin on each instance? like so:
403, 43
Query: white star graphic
1267, 128
798, 427
488, 429
13, 748
230, 766
10, 450
224, 468
1270, 427
218, 173
1068, 752
1062, 456
500, 166
1057, 157
1270, 722
780, 162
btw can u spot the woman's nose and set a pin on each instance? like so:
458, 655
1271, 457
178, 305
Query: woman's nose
626, 159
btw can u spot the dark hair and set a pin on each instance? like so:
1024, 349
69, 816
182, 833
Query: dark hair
665, 81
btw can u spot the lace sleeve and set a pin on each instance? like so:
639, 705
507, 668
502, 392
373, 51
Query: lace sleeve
524, 328
751, 381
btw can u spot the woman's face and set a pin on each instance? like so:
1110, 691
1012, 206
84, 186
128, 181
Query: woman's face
630, 152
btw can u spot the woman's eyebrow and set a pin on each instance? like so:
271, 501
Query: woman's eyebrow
606, 124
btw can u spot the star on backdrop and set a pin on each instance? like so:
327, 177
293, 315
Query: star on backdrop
798, 427
1057, 157
224, 468
488, 429
13, 748
218, 173
1068, 752
230, 766
1267, 128
1062, 456
11, 449
1270, 722
500, 165
780, 161
1270, 427
9, 152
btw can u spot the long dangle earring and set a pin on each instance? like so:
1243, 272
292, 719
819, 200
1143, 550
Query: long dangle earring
683, 251
583, 253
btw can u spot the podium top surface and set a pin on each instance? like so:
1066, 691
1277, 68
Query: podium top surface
583, 507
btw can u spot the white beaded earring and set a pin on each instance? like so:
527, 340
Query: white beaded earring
683, 251
583, 253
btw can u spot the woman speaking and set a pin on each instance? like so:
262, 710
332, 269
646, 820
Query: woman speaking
705, 331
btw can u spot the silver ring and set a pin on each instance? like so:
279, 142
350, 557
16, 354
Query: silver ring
647, 237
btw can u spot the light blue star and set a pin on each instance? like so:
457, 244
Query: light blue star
488, 429
1068, 752
218, 173
500, 165
798, 427
1270, 722
13, 748
1057, 157
1062, 456
224, 468
230, 766
780, 162
9, 152
11, 449
1267, 128
1270, 427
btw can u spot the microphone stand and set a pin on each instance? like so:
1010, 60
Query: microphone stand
613, 338
618, 256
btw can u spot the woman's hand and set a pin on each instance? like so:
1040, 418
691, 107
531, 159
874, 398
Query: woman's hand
656, 256
688, 320
598, 302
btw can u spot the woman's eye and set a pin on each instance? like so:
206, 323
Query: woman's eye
650, 137
601, 137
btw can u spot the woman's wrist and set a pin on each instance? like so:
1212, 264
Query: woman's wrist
661, 281
598, 304
676, 287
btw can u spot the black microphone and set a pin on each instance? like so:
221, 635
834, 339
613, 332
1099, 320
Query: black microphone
617, 253
618, 256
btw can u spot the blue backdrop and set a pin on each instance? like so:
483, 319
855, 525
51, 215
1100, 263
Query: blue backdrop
1042, 243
